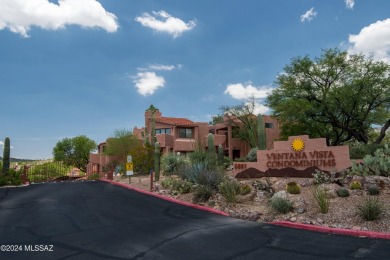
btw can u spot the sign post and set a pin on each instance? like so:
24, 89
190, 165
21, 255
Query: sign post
129, 167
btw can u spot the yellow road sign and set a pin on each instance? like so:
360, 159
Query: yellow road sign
129, 166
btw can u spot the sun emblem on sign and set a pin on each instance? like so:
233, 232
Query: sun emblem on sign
298, 144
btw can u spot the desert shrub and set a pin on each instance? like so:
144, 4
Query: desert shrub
227, 162
211, 178
200, 174
202, 193
373, 190
281, 204
252, 155
167, 183
320, 196
358, 150
183, 186
241, 159
342, 192
371, 209
263, 185
245, 189
355, 185
293, 188
320, 177
171, 163
177, 185
191, 171
199, 154
94, 176
229, 189
376, 164
11, 178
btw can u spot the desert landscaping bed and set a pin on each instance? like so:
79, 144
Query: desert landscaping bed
343, 211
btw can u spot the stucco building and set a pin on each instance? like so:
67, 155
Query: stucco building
184, 136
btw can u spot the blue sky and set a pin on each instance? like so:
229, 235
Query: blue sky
89, 67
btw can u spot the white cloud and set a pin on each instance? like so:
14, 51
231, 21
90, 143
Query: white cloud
350, 3
309, 15
259, 109
240, 91
20, 15
1, 143
163, 22
148, 82
373, 39
161, 67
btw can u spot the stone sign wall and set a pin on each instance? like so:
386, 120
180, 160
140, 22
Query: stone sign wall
297, 157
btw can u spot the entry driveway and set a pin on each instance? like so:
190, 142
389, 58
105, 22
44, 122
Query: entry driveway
96, 220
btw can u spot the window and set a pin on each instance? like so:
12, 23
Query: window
269, 125
185, 132
163, 131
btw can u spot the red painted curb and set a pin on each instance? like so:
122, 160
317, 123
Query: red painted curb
339, 231
322, 229
218, 212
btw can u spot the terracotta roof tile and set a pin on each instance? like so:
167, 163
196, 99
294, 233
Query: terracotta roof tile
175, 121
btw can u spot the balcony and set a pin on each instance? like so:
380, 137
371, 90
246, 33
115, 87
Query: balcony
165, 140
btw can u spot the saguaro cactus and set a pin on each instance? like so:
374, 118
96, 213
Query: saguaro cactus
6, 156
211, 154
153, 128
261, 137
157, 161
220, 155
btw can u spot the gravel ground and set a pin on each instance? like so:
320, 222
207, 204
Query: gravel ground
343, 212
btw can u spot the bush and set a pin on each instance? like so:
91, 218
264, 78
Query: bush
199, 155
342, 192
356, 185
373, 190
176, 185
227, 162
12, 178
94, 176
202, 193
281, 204
241, 159
171, 163
293, 188
229, 189
266, 186
320, 177
377, 164
360, 150
200, 174
245, 189
321, 197
192, 171
371, 209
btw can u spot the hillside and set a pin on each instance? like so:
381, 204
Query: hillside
17, 159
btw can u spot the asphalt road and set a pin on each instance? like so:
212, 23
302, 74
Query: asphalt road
96, 220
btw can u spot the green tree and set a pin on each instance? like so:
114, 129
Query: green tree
74, 151
242, 116
6, 156
122, 144
337, 96
142, 158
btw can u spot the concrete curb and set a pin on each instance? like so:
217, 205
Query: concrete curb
338, 231
218, 212
322, 229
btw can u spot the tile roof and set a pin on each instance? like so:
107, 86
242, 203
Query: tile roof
175, 121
